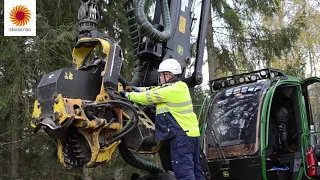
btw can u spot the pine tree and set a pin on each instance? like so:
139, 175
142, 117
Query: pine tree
241, 42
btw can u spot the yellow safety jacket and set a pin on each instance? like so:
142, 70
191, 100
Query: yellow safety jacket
174, 109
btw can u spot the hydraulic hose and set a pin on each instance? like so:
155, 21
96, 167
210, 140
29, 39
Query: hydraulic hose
137, 79
124, 129
204, 124
147, 28
130, 125
138, 161
139, 70
129, 156
136, 16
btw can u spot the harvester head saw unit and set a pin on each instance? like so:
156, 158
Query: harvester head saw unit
80, 107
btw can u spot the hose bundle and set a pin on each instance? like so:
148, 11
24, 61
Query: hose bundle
147, 28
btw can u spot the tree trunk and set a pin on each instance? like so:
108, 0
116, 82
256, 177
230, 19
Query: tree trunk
15, 156
212, 56
16, 135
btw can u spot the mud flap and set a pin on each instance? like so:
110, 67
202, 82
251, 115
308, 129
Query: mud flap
204, 166
165, 155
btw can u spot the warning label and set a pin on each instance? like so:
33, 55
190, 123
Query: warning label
182, 24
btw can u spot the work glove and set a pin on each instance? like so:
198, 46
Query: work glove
124, 94
132, 89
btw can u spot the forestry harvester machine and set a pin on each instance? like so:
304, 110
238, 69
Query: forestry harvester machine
263, 124
81, 107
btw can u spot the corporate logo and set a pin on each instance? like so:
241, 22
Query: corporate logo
20, 18
20, 15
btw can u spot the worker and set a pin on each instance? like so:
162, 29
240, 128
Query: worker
175, 119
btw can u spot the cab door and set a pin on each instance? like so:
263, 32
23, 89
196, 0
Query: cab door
311, 98
311, 93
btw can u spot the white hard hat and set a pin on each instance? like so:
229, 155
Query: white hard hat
170, 65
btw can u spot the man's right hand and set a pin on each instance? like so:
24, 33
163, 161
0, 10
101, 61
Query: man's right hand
124, 94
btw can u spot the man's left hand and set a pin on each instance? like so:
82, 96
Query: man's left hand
124, 94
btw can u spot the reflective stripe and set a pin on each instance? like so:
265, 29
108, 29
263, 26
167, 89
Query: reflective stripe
171, 104
161, 110
149, 97
157, 96
164, 110
186, 111
186, 106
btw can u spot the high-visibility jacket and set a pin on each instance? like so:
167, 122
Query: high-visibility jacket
174, 109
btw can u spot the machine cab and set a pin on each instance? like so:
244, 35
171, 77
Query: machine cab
258, 126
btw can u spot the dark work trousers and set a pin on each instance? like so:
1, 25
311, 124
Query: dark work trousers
185, 157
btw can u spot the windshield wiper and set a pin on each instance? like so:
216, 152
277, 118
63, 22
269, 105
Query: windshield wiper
222, 156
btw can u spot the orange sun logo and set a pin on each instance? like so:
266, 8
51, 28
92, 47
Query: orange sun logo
20, 15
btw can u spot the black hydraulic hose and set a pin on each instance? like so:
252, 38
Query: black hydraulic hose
138, 161
128, 127
129, 156
147, 28
124, 130
139, 72
126, 83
